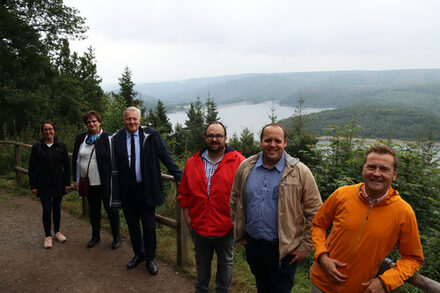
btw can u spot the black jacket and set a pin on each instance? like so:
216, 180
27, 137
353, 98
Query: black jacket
102, 151
49, 168
153, 148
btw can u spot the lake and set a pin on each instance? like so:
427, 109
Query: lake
236, 117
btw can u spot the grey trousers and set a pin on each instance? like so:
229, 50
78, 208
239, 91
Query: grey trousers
204, 248
316, 289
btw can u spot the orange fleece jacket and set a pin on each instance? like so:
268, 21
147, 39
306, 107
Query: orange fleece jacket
362, 236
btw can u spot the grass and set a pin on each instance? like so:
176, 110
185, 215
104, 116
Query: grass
242, 279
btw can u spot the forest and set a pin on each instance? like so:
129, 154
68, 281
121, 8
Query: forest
384, 121
43, 80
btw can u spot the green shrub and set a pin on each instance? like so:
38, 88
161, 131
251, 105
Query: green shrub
7, 160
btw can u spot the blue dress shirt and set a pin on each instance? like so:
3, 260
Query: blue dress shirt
262, 200
137, 149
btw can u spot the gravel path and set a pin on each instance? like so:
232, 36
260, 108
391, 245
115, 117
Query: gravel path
25, 266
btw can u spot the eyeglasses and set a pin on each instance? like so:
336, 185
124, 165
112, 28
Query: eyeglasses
91, 121
217, 136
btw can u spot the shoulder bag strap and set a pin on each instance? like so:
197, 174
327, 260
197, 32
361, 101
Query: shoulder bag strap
91, 154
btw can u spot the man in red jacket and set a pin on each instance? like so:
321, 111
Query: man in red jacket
204, 197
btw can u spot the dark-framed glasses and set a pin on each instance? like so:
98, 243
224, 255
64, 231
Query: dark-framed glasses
217, 136
91, 121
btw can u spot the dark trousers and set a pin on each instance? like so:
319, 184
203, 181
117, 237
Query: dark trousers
136, 209
51, 209
271, 275
95, 198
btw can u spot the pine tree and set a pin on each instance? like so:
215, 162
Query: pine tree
126, 87
160, 121
195, 126
65, 63
90, 80
299, 119
178, 144
211, 111
248, 144
273, 116
300, 139
234, 142
112, 116
151, 118
163, 123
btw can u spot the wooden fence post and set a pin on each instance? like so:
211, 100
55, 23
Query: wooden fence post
182, 236
85, 206
18, 175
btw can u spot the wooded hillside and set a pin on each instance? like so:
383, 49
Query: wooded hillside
379, 121
320, 89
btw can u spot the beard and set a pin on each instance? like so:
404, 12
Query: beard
215, 148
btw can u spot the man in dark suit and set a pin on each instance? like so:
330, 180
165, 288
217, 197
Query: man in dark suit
137, 183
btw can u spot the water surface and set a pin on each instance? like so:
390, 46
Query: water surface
239, 116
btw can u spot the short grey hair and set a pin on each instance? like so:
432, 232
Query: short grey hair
131, 109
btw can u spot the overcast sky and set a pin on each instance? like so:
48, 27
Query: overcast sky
179, 39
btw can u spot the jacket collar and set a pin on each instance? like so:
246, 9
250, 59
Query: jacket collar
290, 161
392, 196
55, 141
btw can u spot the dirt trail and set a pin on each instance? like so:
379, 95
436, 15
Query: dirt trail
25, 266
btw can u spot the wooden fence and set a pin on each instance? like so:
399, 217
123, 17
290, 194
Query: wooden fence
419, 281
178, 223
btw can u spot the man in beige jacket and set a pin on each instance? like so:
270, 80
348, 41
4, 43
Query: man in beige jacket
274, 199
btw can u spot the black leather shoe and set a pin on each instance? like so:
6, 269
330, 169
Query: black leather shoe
151, 266
93, 241
116, 242
134, 262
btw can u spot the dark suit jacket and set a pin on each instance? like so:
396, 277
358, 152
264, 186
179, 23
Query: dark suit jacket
102, 150
153, 148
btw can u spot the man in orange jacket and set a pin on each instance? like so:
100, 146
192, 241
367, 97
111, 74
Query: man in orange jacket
368, 221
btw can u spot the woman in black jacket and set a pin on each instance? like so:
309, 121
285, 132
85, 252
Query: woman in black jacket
49, 178
92, 151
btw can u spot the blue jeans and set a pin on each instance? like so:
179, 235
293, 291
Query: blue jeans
204, 248
271, 275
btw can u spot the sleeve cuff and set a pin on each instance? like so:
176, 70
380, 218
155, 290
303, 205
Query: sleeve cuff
319, 256
183, 203
383, 284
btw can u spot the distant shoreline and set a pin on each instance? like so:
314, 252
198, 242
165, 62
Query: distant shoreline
375, 140
221, 106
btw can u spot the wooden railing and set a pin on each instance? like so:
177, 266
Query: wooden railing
178, 223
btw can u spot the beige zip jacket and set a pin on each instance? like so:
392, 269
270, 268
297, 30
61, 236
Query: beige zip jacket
298, 202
